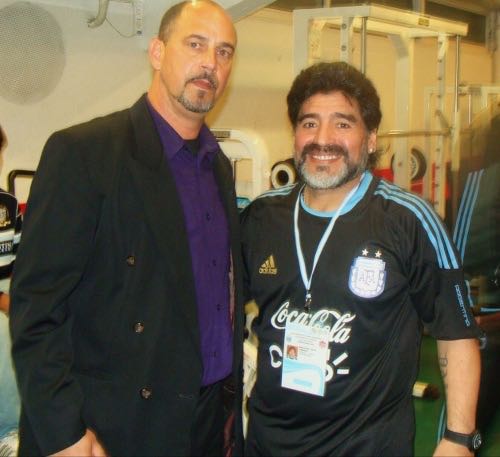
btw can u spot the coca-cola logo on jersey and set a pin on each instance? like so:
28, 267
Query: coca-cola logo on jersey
339, 333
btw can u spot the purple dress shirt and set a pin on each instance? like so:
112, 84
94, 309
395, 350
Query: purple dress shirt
208, 236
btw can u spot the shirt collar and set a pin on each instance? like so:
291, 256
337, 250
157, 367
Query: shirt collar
173, 143
366, 179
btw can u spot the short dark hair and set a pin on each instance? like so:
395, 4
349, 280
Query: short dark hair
171, 15
328, 77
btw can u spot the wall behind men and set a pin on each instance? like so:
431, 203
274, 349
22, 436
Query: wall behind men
105, 72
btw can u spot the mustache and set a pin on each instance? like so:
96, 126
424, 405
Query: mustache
326, 148
208, 76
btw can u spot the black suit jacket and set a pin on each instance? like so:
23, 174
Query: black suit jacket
104, 316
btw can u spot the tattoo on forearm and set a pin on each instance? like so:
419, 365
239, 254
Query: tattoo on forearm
443, 365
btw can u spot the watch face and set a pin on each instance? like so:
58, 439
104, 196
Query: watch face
476, 441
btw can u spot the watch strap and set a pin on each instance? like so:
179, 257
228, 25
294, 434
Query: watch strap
471, 441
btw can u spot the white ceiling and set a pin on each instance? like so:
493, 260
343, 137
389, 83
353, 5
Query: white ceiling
237, 8
241, 8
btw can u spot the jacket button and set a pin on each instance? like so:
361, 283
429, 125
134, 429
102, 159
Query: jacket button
138, 327
146, 393
186, 396
130, 260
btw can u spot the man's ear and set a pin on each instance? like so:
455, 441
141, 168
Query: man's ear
372, 141
155, 52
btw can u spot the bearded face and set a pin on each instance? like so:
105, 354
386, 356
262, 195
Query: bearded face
318, 174
332, 144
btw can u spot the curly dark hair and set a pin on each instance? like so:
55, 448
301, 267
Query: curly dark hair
328, 77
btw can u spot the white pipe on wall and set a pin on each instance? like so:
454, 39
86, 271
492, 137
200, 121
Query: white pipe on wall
101, 14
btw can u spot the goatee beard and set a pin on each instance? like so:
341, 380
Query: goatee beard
320, 178
200, 105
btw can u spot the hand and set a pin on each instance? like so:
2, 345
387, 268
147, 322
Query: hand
87, 446
446, 448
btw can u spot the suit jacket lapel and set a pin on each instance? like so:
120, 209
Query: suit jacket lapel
153, 178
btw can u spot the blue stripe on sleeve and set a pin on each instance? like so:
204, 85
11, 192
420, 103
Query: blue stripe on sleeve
429, 219
466, 209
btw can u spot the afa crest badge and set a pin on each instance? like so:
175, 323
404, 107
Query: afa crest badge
367, 277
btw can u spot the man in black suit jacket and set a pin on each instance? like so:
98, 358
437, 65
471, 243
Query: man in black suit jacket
111, 309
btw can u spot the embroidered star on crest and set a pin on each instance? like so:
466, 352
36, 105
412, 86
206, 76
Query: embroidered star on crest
365, 251
378, 254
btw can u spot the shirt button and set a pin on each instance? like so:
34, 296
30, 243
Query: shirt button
138, 327
207, 216
218, 306
130, 260
214, 262
146, 393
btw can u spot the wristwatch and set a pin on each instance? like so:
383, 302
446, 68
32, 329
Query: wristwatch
470, 441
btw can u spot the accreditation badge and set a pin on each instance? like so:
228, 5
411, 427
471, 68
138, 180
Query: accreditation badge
305, 353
